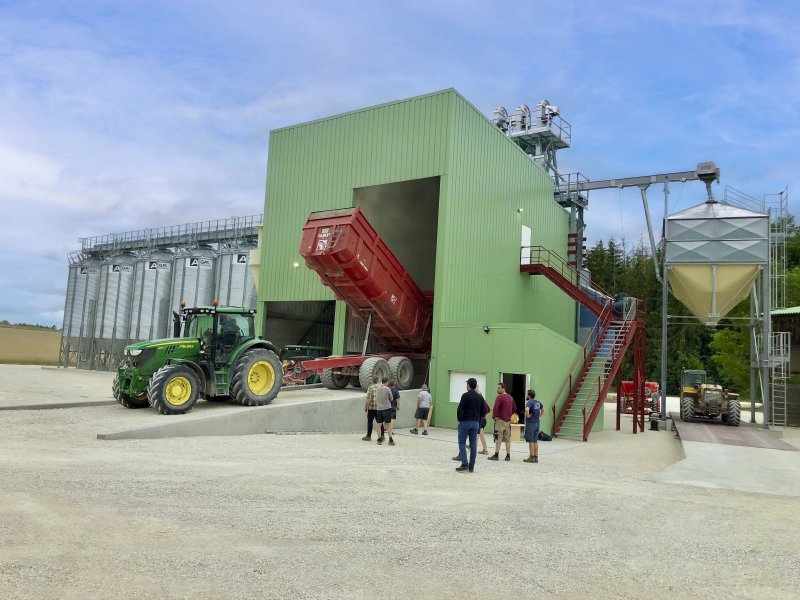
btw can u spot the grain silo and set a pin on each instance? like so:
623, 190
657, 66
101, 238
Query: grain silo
150, 314
193, 277
234, 281
113, 310
84, 311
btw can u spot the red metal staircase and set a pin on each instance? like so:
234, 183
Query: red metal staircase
604, 350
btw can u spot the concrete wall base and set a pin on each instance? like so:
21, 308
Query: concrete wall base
344, 415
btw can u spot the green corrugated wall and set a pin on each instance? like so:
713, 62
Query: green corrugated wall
485, 178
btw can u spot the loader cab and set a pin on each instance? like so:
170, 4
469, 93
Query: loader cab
693, 378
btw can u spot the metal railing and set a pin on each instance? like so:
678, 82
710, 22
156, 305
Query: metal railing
539, 255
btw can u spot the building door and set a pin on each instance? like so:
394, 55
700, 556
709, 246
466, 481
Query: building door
517, 386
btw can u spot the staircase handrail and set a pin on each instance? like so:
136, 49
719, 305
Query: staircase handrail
603, 320
616, 360
556, 262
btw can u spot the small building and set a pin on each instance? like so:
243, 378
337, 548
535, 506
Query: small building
455, 200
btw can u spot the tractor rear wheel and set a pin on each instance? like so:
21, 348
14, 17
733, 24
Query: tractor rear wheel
401, 369
374, 366
173, 389
687, 409
125, 400
734, 413
256, 378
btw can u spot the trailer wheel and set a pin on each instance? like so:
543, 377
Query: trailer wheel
173, 389
734, 413
127, 401
401, 369
256, 378
334, 381
372, 367
687, 409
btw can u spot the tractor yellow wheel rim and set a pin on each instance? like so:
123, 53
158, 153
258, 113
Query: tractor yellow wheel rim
178, 391
261, 378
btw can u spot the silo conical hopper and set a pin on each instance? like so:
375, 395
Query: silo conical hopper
714, 252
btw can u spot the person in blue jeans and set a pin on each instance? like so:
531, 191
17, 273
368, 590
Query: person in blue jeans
471, 409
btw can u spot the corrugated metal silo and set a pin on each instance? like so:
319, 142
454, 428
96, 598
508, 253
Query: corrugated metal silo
234, 282
193, 278
84, 311
113, 310
150, 314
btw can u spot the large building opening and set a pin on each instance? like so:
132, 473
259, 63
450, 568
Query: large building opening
300, 323
406, 216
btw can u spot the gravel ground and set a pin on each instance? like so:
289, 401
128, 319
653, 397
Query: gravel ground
330, 516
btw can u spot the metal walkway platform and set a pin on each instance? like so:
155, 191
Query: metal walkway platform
714, 432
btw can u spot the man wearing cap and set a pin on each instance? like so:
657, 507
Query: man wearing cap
470, 411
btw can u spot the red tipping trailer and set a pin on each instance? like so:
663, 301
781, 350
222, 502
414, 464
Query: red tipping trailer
349, 256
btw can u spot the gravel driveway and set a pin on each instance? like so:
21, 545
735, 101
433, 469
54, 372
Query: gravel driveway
330, 516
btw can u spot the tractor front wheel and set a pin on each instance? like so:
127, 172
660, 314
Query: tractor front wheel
125, 400
173, 389
256, 378
687, 409
734, 413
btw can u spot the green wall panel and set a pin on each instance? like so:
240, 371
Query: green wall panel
507, 348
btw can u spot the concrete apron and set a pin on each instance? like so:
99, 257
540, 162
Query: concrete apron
741, 468
340, 415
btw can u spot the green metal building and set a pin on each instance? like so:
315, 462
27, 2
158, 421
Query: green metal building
454, 199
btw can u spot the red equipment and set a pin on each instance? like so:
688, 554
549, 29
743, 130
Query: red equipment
651, 397
350, 258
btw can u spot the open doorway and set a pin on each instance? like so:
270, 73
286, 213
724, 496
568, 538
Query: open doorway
300, 324
517, 386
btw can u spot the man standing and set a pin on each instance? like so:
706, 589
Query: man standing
533, 410
371, 408
504, 407
424, 401
383, 401
470, 412
395, 407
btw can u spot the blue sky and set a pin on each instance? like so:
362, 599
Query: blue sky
122, 115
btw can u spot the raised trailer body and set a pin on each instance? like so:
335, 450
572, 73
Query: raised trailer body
349, 256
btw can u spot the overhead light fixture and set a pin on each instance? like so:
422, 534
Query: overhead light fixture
486, 329
295, 264
519, 210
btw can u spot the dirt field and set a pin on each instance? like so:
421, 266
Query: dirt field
330, 516
29, 346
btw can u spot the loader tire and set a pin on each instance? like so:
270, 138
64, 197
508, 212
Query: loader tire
734, 413
173, 389
334, 381
374, 366
256, 378
401, 369
125, 400
687, 409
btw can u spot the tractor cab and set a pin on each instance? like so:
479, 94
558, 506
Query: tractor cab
219, 330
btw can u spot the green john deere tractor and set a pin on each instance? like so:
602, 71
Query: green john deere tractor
217, 357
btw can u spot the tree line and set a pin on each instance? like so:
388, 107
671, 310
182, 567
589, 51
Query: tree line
723, 351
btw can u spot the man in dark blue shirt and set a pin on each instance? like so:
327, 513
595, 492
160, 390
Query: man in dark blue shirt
471, 409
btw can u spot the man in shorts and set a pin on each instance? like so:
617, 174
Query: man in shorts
504, 407
370, 407
424, 402
395, 406
383, 402
533, 410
